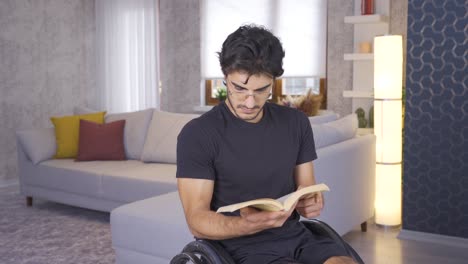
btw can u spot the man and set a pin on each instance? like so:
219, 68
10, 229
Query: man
247, 148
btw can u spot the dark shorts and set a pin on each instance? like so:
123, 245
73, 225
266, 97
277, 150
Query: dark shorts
300, 246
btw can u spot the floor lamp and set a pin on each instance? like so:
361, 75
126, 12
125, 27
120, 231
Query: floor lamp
388, 74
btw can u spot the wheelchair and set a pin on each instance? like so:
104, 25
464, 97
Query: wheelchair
211, 252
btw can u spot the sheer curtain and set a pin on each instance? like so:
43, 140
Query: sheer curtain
127, 57
219, 19
301, 26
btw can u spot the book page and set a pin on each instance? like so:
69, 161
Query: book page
266, 204
304, 192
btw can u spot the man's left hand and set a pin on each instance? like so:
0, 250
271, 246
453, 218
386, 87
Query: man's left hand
310, 207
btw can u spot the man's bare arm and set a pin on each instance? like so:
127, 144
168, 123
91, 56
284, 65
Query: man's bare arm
196, 195
304, 176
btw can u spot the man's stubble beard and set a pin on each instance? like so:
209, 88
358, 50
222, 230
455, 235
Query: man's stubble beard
237, 115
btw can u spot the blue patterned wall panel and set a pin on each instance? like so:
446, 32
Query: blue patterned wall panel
435, 175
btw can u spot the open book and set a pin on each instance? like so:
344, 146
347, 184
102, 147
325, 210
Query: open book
283, 203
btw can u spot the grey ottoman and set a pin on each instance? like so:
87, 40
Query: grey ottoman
149, 231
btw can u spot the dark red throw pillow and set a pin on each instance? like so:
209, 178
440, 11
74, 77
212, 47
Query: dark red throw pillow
101, 141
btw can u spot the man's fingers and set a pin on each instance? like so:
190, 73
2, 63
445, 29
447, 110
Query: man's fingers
310, 211
309, 202
254, 215
320, 198
247, 210
312, 208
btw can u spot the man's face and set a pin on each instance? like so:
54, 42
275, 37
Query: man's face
247, 94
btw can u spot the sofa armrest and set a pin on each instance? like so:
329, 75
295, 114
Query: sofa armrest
348, 168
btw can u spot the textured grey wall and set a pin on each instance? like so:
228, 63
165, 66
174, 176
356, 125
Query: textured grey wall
340, 41
180, 64
46, 66
398, 24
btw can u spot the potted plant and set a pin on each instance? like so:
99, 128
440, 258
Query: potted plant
221, 93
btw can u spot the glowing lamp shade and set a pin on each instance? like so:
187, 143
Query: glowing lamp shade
388, 199
388, 75
388, 67
388, 128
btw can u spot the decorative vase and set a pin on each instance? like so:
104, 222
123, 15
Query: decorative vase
361, 115
367, 7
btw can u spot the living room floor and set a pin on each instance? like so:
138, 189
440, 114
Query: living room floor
381, 246
54, 233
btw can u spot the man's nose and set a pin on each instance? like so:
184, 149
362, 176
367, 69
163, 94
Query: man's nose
250, 100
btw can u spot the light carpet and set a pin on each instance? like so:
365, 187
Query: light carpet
51, 233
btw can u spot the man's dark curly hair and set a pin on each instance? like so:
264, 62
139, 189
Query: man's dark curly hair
254, 50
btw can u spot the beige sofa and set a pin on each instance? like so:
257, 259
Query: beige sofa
149, 140
147, 219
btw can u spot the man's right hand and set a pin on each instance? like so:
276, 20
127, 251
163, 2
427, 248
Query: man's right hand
196, 194
256, 220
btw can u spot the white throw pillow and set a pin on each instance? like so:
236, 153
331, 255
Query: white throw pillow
136, 127
323, 118
161, 140
38, 144
335, 131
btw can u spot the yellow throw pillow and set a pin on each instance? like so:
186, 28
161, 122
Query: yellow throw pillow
67, 133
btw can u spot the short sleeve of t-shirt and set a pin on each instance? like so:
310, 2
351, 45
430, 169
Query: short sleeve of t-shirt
194, 153
307, 146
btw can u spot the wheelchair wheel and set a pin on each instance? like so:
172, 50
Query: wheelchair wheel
354, 254
185, 258
208, 252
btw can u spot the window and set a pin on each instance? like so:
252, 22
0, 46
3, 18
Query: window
300, 25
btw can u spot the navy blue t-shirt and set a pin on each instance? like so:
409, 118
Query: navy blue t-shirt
246, 160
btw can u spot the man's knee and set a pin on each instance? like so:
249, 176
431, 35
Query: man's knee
340, 260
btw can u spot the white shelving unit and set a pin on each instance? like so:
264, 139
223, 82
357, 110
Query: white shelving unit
358, 94
358, 56
367, 19
366, 27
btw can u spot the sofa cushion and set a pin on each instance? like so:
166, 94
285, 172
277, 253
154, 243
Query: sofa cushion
38, 144
101, 141
323, 117
75, 177
120, 181
136, 127
335, 131
67, 129
154, 227
139, 182
97, 167
161, 141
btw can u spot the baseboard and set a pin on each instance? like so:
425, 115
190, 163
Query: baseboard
9, 182
433, 238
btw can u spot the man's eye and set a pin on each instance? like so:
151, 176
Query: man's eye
239, 89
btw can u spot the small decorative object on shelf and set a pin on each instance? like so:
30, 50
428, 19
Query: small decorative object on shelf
365, 47
361, 115
367, 7
371, 117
